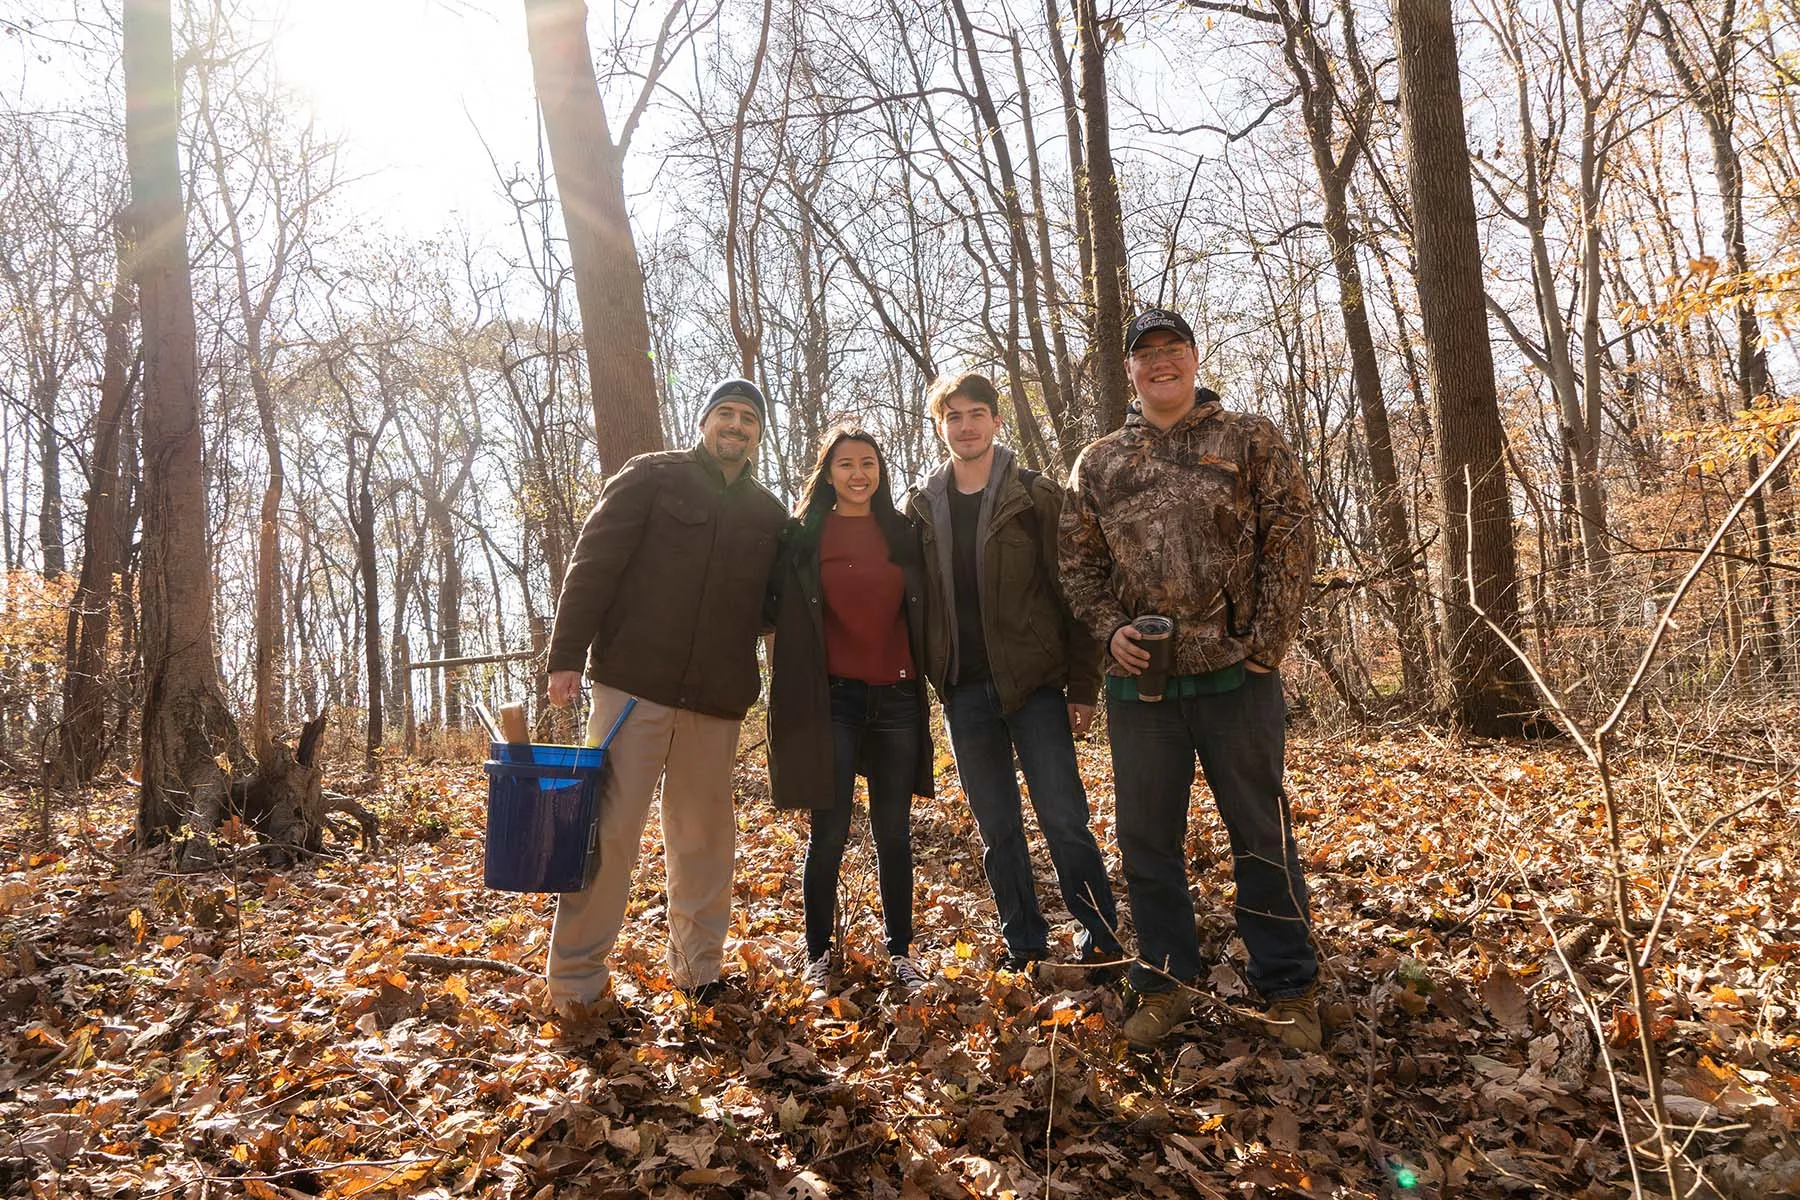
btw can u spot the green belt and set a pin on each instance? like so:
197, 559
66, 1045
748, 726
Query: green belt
1181, 687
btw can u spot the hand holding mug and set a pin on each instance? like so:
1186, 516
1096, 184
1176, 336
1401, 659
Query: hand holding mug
1126, 651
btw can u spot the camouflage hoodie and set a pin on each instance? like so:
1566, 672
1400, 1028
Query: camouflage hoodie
1210, 523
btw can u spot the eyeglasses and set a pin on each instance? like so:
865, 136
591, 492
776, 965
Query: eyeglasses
1156, 354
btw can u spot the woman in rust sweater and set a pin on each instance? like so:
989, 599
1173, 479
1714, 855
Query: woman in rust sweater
846, 697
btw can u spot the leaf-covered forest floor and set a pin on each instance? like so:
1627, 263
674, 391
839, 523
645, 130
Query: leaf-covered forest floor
265, 1034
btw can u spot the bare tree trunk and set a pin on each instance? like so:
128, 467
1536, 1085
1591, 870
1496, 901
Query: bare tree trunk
609, 281
1578, 394
1065, 79
191, 747
1707, 71
746, 319
83, 738
449, 611
254, 312
9, 544
1099, 194
1024, 261
1489, 688
1030, 438
409, 724
363, 524
1063, 412
50, 513
1320, 102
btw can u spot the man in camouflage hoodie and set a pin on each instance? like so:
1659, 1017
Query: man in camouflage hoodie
1200, 515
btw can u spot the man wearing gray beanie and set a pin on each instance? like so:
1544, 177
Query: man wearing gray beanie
662, 603
736, 389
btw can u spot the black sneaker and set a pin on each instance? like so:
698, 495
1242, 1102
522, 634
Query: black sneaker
908, 973
715, 991
1023, 961
1105, 966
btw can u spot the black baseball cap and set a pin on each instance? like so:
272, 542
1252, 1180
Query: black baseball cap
1156, 318
737, 389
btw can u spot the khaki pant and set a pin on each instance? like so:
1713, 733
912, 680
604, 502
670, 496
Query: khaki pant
692, 756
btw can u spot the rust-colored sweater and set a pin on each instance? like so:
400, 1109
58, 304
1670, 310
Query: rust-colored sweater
865, 603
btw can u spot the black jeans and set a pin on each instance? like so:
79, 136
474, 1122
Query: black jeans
876, 727
1240, 741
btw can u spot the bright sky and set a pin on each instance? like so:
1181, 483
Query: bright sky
414, 86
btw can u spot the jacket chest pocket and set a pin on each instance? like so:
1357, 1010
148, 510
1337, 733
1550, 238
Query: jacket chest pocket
1014, 552
680, 519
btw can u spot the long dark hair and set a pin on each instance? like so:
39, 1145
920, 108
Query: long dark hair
818, 497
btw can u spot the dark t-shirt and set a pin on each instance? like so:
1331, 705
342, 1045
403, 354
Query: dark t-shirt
971, 646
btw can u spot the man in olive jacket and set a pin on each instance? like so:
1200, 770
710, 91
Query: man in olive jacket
663, 601
1015, 670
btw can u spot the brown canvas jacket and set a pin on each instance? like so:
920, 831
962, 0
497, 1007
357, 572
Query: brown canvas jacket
1033, 640
1210, 523
664, 596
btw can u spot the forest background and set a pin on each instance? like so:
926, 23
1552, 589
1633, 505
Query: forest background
1550, 459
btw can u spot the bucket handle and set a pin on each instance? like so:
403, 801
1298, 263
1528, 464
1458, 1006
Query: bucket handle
606, 742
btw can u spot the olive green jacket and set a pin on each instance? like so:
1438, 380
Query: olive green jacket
1033, 639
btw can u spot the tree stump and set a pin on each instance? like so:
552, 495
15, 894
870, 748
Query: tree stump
286, 802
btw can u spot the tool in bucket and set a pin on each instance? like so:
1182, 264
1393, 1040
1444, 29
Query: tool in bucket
543, 813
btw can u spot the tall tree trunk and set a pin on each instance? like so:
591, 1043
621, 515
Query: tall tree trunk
746, 318
1710, 83
449, 612
301, 652
255, 314
9, 553
1024, 260
1489, 688
403, 695
82, 741
1030, 438
191, 747
1392, 530
609, 280
1100, 195
399, 653
363, 523
1062, 413
50, 509
1320, 103
1071, 110
268, 583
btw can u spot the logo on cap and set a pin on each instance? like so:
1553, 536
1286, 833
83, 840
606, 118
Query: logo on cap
1156, 318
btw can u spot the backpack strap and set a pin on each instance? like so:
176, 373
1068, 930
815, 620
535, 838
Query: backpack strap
1029, 478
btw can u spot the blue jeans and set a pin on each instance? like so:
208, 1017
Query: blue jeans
1239, 739
983, 740
875, 727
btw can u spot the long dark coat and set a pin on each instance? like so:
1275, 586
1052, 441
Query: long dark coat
801, 746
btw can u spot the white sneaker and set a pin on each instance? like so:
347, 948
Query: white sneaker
908, 973
816, 975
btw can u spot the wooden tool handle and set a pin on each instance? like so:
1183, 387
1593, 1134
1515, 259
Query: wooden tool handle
513, 723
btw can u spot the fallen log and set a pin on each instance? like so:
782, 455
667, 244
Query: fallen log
450, 964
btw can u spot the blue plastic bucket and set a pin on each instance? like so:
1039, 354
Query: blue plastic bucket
543, 814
